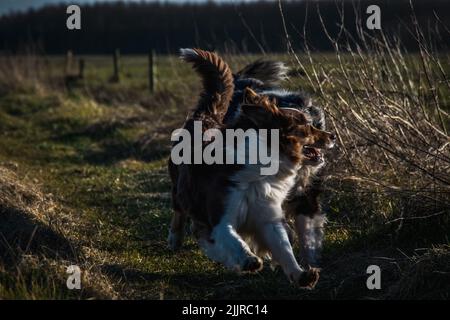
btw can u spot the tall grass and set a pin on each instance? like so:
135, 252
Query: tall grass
390, 111
30, 70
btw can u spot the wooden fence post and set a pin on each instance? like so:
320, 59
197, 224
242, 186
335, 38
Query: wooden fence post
116, 60
69, 58
152, 71
81, 69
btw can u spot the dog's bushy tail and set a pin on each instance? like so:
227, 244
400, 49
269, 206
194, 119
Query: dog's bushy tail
217, 79
269, 72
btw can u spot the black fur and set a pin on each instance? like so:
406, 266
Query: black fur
265, 77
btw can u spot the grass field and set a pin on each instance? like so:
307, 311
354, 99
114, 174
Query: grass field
83, 181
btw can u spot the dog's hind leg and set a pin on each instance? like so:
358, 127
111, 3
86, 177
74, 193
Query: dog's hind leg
305, 208
310, 231
177, 230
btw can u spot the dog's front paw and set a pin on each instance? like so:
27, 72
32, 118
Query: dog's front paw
306, 279
252, 264
174, 240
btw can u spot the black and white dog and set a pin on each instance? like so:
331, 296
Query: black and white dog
239, 215
302, 204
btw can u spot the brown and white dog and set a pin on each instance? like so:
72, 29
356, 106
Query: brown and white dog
236, 212
302, 205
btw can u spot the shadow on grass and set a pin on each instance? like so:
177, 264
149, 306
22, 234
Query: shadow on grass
342, 282
21, 234
215, 284
107, 146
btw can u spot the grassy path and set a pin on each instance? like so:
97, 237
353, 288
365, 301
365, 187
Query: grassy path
104, 168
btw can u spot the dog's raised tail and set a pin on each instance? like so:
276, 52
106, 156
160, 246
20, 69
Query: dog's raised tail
269, 72
217, 80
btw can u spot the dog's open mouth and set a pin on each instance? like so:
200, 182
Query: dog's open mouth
312, 154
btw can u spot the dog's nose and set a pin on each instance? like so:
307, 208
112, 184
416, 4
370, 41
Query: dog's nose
333, 137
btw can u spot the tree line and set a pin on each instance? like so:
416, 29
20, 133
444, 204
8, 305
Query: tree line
242, 27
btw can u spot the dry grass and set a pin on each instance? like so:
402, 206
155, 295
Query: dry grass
29, 71
83, 178
38, 242
425, 277
390, 110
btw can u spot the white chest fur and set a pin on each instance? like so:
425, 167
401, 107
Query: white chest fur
256, 198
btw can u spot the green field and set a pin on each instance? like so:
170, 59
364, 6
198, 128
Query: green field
83, 181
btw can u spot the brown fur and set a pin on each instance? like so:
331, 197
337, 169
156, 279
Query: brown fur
218, 86
190, 182
200, 190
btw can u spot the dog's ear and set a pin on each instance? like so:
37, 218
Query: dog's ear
299, 117
251, 97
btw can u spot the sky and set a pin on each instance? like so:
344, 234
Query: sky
7, 6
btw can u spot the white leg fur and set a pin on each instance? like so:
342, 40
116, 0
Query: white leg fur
229, 249
310, 233
277, 241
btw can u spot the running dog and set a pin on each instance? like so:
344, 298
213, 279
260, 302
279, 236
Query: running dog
302, 204
236, 212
